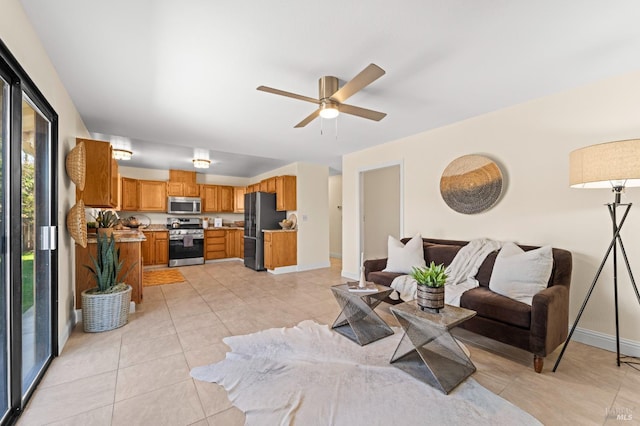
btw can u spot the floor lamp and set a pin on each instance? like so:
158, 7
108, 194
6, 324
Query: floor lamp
612, 165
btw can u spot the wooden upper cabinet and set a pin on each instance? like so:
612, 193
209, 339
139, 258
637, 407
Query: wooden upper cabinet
183, 189
210, 198
217, 198
152, 196
175, 189
129, 194
101, 183
286, 198
238, 199
268, 185
226, 198
182, 176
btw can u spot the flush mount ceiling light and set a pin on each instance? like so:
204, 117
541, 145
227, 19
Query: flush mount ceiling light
329, 109
201, 163
122, 154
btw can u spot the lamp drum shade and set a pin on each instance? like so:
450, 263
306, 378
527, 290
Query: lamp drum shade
606, 165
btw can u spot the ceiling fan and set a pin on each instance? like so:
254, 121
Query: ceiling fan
331, 96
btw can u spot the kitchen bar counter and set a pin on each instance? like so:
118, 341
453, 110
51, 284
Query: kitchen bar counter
130, 252
279, 230
124, 236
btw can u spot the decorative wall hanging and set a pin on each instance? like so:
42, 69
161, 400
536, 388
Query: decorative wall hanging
471, 184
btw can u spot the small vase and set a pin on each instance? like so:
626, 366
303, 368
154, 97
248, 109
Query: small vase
430, 298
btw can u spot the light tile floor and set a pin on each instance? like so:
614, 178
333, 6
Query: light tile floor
139, 374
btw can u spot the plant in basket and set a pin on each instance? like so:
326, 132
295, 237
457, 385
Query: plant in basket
106, 306
430, 290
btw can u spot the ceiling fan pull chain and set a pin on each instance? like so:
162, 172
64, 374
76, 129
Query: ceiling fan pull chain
321, 126
337, 127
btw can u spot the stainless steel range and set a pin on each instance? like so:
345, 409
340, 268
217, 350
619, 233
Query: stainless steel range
186, 241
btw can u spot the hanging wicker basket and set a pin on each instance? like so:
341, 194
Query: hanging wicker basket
104, 312
76, 165
77, 223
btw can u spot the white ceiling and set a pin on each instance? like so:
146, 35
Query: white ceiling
184, 73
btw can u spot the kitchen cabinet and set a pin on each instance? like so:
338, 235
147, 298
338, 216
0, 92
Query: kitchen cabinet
182, 176
129, 194
238, 199
286, 198
217, 198
253, 188
101, 183
215, 244
210, 201
226, 198
130, 254
183, 189
152, 195
280, 249
155, 250
234, 241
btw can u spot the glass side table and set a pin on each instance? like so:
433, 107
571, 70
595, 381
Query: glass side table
357, 320
427, 350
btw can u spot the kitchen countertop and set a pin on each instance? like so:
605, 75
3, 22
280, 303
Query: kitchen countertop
124, 236
213, 228
279, 230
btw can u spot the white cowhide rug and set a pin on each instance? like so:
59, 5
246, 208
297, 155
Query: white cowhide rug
310, 375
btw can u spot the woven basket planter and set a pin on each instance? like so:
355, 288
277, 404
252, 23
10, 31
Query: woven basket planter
103, 312
76, 165
430, 298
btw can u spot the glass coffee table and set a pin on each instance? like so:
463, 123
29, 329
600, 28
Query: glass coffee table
357, 320
427, 349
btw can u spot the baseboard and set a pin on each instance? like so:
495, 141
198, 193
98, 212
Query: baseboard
336, 255
351, 275
62, 340
313, 266
283, 270
606, 341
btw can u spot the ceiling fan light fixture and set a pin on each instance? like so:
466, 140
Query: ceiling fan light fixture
122, 154
201, 163
329, 110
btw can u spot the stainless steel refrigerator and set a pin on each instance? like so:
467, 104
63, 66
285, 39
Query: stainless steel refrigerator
259, 213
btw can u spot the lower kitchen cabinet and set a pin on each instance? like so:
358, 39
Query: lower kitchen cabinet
155, 250
280, 249
234, 240
215, 244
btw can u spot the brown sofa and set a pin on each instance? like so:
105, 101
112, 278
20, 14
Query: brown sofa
539, 328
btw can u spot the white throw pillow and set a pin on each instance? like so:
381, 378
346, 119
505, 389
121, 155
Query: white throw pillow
402, 257
520, 274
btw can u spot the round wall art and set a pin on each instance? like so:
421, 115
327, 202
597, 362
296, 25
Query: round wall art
471, 184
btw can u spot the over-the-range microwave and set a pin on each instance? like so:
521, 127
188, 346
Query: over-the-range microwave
184, 205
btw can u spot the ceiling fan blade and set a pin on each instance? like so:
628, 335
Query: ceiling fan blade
309, 119
367, 76
362, 112
287, 94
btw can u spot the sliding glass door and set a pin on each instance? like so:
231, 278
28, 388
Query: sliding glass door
28, 258
36, 243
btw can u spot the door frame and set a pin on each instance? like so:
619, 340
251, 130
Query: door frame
21, 83
360, 206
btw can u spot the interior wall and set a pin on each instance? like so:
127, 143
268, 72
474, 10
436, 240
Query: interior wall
380, 219
18, 35
335, 216
531, 143
312, 195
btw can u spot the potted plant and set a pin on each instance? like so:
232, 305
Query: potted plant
106, 220
106, 306
430, 290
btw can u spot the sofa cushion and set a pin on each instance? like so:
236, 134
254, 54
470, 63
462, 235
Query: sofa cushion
403, 257
441, 253
494, 306
383, 278
520, 275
